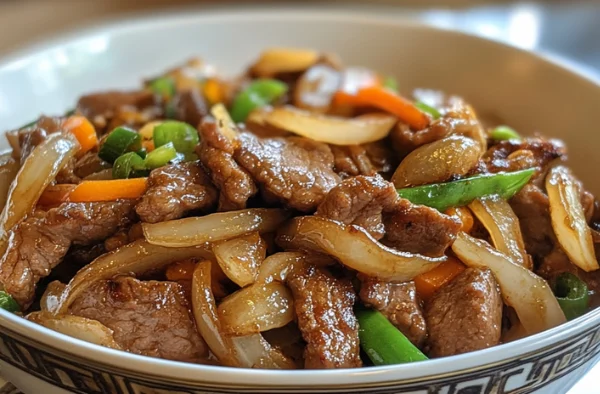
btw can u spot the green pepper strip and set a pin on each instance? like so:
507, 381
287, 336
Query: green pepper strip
119, 141
501, 133
8, 303
126, 164
442, 196
259, 93
161, 156
435, 114
183, 136
572, 295
390, 83
382, 342
164, 86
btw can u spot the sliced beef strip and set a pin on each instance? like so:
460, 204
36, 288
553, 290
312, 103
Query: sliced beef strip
234, 183
190, 106
465, 315
88, 164
367, 159
175, 190
149, 318
40, 242
399, 303
296, 171
325, 318
124, 237
31, 137
360, 200
514, 155
419, 229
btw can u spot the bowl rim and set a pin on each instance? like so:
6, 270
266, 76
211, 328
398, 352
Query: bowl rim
298, 378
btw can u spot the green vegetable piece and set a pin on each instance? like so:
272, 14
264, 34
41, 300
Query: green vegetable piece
183, 136
442, 196
391, 83
8, 303
382, 342
161, 156
259, 93
170, 110
126, 164
164, 86
70, 112
501, 133
572, 294
435, 114
142, 153
119, 141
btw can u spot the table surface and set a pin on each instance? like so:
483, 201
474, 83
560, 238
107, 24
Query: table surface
535, 26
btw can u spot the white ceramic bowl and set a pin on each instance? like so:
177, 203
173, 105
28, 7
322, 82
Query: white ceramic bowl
525, 90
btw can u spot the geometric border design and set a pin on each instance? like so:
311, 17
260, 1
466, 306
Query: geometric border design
525, 375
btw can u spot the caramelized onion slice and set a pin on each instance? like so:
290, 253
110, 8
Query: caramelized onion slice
137, 257
239, 258
284, 60
499, 219
77, 327
255, 352
206, 316
277, 266
38, 170
527, 293
215, 227
50, 300
568, 219
256, 308
355, 248
332, 129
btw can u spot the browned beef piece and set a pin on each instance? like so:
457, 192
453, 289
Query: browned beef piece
123, 237
31, 137
233, 182
404, 140
296, 171
190, 107
465, 315
325, 318
66, 175
399, 303
41, 241
513, 155
89, 164
367, 159
175, 190
419, 229
360, 200
150, 318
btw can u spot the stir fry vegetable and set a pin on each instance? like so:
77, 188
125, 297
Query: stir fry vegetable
183, 136
160, 156
127, 164
572, 294
391, 83
504, 133
451, 194
258, 94
163, 86
382, 342
435, 114
8, 303
84, 131
111, 190
119, 141
431, 281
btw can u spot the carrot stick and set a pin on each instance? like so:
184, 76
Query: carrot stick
108, 190
83, 130
428, 283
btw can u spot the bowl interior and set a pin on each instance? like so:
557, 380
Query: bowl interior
524, 90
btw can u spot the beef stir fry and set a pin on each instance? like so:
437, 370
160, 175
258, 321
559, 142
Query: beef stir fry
302, 215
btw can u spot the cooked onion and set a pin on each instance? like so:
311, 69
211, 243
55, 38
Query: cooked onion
256, 308
77, 327
284, 60
8, 171
225, 124
255, 352
13, 140
438, 161
38, 170
137, 257
527, 293
316, 87
207, 319
568, 219
498, 218
215, 227
355, 248
332, 129
50, 300
239, 258
277, 266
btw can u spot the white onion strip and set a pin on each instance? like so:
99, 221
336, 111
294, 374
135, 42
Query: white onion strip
527, 293
499, 219
88, 330
215, 227
239, 258
253, 351
257, 308
277, 266
568, 219
135, 258
331, 129
354, 248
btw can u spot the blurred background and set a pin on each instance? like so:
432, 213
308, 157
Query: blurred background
568, 30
